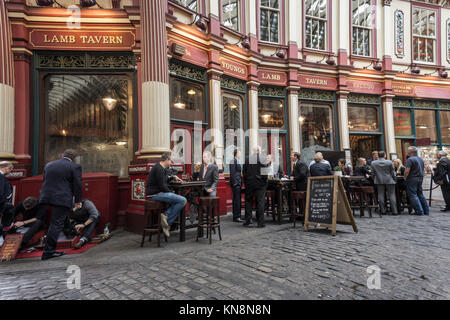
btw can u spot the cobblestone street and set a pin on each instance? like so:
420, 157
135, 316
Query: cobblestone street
277, 262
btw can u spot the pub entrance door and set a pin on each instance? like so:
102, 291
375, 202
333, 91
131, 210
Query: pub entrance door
363, 145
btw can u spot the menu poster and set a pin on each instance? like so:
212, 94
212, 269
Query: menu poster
327, 204
321, 201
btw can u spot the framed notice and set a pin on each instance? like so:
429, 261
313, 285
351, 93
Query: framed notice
399, 34
138, 190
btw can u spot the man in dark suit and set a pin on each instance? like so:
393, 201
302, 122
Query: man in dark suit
384, 178
319, 168
209, 172
255, 179
442, 177
6, 192
62, 182
236, 185
300, 172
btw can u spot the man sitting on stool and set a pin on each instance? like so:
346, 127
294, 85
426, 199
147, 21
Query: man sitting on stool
86, 219
158, 190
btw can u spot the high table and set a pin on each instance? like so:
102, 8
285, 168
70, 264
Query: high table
184, 189
279, 186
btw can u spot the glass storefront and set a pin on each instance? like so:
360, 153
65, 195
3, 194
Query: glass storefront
425, 125
93, 112
187, 106
187, 100
365, 126
316, 129
363, 118
444, 119
271, 113
233, 127
402, 123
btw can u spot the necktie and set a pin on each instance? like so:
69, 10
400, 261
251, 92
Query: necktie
204, 170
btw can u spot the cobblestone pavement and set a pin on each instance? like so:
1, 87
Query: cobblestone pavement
277, 262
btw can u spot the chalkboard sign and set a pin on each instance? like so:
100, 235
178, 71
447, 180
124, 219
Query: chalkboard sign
327, 204
321, 201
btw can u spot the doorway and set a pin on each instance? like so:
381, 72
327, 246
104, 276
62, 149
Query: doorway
363, 145
402, 146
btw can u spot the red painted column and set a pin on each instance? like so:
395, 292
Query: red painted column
6, 87
22, 62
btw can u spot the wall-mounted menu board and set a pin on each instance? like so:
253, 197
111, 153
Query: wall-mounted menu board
327, 204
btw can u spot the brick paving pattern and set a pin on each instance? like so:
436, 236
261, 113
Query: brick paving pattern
277, 262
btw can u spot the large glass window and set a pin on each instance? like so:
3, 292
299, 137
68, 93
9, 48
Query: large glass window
187, 100
363, 118
448, 40
271, 113
425, 125
316, 127
232, 125
363, 15
445, 126
231, 14
402, 122
315, 24
190, 4
424, 34
94, 113
270, 21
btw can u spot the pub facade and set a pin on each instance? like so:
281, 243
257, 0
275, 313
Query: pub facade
126, 80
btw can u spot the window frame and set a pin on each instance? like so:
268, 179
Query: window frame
241, 20
201, 8
437, 48
328, 26
372, 34
281, 23
324, 105
447, 28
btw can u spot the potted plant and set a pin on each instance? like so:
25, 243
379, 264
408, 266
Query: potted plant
338, 171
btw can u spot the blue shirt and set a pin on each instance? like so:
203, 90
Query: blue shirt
417, 167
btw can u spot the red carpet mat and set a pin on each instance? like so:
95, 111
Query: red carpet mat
38, 253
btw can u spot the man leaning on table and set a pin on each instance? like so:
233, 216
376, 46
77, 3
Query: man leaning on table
158, 190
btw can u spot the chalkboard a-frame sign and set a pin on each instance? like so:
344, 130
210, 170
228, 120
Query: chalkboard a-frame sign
327, 204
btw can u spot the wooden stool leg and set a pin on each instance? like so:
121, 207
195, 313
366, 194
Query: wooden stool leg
143, 239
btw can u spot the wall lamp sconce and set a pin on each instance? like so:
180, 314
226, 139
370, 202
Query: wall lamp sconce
330, 60
377, 65
280, 53
200, 22
414, 69
441, 71
83, 3
244, 41
89, 3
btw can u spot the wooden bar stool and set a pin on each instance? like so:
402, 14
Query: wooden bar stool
152, 220
356, 200
270, 203
298, 202
370, 199
209, 216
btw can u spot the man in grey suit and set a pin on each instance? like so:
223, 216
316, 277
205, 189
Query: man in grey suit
384, 178
209, 172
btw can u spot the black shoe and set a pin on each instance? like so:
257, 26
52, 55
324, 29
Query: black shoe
237, 220
52, 255
445, 210
261, 225
247, 224
395, 214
